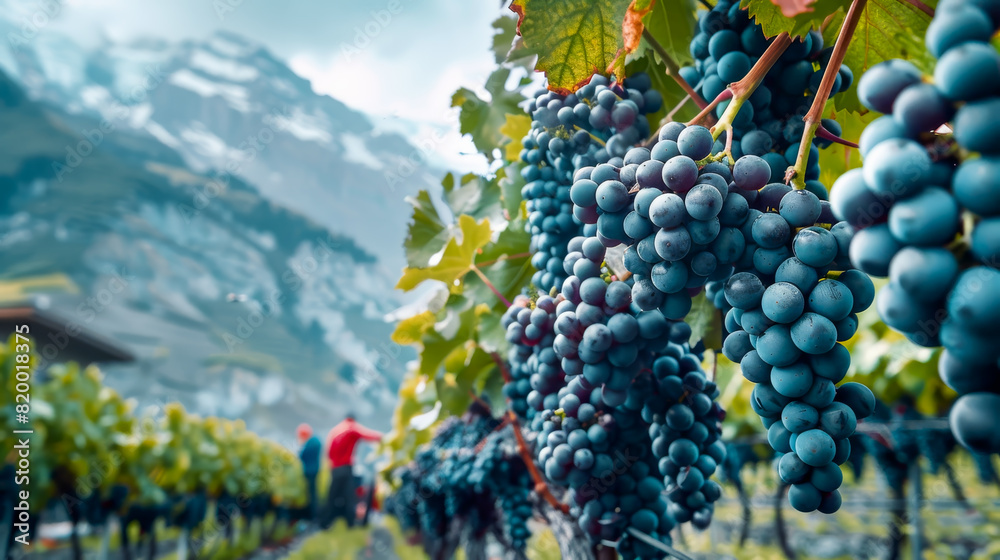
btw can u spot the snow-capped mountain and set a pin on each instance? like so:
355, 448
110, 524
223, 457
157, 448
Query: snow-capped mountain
227, 105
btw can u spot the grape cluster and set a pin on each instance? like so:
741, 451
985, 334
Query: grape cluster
929, 216
595, 434
597, 124
599, 335
510, 482
609, 469
789, 313
468, 471
687, 218
535, 369
685, 425
769, 124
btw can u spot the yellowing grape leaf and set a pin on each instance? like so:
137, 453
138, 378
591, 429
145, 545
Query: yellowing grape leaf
411, 330
575, 39
514, 129
457, 259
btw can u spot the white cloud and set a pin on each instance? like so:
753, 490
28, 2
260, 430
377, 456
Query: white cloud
402, 96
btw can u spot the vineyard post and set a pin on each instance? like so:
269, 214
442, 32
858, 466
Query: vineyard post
182, 544
102, 553
779, 521
916, 497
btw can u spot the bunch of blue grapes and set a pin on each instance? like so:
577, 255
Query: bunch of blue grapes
927, 207
535, 369
791, 311
770, 123
685, 427
592, 436
596, 124
469, 471
683, 223
609, 470
500, 472
601, 336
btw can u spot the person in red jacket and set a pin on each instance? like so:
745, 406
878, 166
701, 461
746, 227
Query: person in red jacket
341, 499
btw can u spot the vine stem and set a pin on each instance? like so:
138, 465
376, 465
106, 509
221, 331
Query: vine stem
740, 91
796, 175
673, 69
504, 372
489, 284
541, 488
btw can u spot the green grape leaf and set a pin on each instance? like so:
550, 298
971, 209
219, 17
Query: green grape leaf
887, 29
506, 263
428, 233
575, 39
451, 335
511, 182
456, 260
672, 23
705, 322
476, 197
514, 129
773, 22
482, 119
503, 38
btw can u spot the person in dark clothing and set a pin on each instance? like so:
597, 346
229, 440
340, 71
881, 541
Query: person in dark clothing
342, 498
310, 456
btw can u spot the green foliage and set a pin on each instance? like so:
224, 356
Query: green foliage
483, 118
87, 439
887, 29
705, 321
768, 15
837, 159
673, 25
484, 233
428, 232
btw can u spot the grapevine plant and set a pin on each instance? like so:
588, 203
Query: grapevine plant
94, 456
698, 189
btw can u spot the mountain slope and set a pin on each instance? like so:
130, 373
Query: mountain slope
129, 213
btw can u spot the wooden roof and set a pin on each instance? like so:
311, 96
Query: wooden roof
58, 339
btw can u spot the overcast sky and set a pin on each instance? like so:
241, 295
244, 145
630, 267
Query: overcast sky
404, 64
